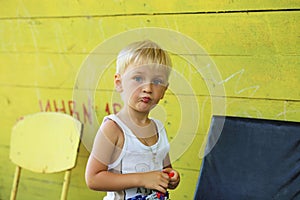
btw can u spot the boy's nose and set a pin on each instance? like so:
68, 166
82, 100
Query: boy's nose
147, 87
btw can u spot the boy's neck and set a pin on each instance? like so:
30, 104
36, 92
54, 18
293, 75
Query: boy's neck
140, 125
131, 116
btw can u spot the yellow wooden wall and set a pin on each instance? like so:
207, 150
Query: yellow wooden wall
254, 44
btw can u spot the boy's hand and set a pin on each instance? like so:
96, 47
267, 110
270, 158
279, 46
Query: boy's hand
156, 180
174, 177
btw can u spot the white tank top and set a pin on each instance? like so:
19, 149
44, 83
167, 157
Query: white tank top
137, 157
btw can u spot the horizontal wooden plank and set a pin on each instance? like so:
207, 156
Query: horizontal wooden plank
61, 100
240, 76
93, 7
40, 70
260, 77
17, 102
219, 34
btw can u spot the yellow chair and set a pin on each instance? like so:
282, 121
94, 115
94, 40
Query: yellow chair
45, 142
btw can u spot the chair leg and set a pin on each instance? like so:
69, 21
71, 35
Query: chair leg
66, 183
14, 189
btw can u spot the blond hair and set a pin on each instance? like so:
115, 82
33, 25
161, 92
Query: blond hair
141, 53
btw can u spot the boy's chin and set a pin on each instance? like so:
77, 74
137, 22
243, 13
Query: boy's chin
144, 107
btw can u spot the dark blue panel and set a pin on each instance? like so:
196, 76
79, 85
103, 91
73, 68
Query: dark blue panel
252, 159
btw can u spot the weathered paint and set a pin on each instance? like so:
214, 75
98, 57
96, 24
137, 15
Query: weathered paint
42, 46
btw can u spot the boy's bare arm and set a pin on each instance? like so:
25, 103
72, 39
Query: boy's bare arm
107, 146
98, 178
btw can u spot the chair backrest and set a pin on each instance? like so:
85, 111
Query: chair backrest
252, 159
45, 142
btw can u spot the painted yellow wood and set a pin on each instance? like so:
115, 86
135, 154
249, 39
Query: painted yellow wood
42, 46
66, 184
187, 186
247, 34
63, 102
15, 185
27, 8
44, 70
45, 142
242, 76
229, 38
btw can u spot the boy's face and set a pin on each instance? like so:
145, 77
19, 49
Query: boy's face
142, 87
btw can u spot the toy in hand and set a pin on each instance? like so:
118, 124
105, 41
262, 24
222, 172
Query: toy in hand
154, 195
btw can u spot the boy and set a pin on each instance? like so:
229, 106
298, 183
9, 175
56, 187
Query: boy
130, 151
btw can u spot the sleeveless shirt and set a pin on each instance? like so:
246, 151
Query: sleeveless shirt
136, 157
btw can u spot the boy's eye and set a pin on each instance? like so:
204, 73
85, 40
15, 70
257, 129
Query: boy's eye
157, 82
138, 79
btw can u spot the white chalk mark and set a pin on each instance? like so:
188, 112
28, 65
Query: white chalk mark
176, 25
101, 28
285, 111
239, 74
232, 75
60, 39
3, 47
22, 10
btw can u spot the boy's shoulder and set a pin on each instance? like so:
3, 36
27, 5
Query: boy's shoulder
110, 128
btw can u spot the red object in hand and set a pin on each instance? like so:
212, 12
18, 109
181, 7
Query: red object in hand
171, 174
158, 195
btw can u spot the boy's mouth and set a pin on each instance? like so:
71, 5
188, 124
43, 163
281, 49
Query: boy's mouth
146, 99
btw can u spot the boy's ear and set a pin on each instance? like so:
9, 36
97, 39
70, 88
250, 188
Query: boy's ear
118, 83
